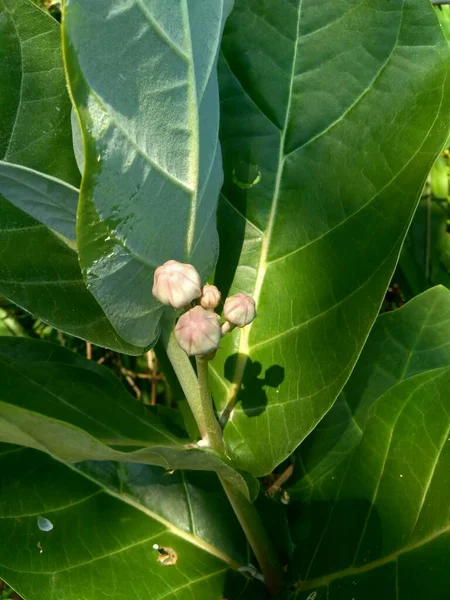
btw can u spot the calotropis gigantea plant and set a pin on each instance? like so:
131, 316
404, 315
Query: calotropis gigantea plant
277, 150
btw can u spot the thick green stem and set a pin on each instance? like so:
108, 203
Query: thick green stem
195, 390
258, 539
212, 425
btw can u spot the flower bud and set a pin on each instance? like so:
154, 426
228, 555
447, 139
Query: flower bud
239, 310
176, 284
198, 331
210, 297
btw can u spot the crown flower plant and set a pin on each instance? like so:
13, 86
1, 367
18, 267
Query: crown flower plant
239, 310
176, 284
202, 205
198, 331
210, 298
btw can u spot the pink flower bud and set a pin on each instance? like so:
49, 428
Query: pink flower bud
239, 310
210, 297
176, 284
198, 331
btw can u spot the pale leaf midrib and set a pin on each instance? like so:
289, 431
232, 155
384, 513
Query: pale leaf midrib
193, 118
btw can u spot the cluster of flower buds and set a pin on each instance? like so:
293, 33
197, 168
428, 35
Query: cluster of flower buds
198, 330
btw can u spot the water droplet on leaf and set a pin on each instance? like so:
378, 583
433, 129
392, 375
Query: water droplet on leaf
44, 524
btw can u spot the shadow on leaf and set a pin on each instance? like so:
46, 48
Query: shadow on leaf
252, 393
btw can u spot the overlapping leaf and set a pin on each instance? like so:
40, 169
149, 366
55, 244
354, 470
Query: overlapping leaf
38, 271
406, 342
143, 77
75, 410
332, 114
370, 511
35, 116
49, 200
108, 537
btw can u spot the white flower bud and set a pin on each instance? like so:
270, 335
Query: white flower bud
210, 297
198, 331
239, 310
176, 284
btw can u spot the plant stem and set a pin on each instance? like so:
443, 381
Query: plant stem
258, 539
196, 391
212, 425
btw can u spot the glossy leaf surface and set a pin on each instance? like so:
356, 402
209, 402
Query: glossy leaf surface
49, 200
74, 411
332, 115
38, 271
149, 111
374, 510
108, 539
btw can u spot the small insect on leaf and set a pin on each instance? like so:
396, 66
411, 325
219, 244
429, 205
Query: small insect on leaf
166, 556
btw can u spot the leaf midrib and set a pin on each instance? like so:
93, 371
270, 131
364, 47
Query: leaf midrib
243, 349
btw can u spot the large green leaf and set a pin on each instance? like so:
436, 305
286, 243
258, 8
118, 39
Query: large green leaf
370, 512
74, 411
403, 343
37, 270
35, 117
101, 540
40, 272
332, 114
149, 111
49, 200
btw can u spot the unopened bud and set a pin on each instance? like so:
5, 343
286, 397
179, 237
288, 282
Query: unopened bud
198, 331
176, 284
210, 297
239, 310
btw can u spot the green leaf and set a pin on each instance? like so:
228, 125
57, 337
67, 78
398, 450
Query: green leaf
101, 540
370, 509
193, 501
49, 200
35, 116
40, 273
334, 112
149, 112
403, 343
71, 410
